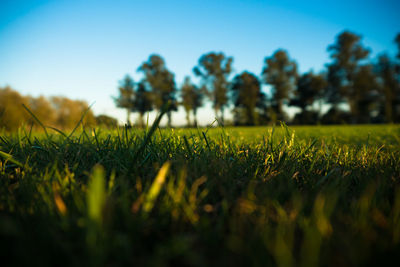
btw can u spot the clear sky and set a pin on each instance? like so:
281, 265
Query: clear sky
81, 49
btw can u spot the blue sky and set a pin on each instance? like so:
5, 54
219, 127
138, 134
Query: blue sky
81, 49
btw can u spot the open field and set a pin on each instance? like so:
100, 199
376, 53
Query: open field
303, 196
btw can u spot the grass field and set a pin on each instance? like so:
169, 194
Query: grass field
303, 196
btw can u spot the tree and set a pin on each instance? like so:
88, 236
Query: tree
198, 94
12, 114
397, 41
335, 116
106, 121
332, 94
143, 101
187, 98
281, 73
43, 110
192, 100
162, 83
59, 112
388, 87
246, 93
347, 52
365, 94
126, 96
69, 112
214, 70
308, 90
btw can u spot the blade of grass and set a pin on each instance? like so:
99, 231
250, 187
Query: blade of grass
79, 122
57, 130
150, 133
155, 188
36, 119
10, 158
96, 194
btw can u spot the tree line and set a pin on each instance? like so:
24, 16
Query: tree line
353, 88
57, 111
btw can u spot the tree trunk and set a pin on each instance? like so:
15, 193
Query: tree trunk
222, 116
353, 104
216, 113
169, 118
250, 116
319, 111
388, 107
141, 121
279, 109
128, 115
195, 118
188, 118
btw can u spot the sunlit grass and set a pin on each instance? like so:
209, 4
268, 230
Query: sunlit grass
323, 195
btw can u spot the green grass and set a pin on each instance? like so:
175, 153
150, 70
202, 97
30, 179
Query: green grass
302, 196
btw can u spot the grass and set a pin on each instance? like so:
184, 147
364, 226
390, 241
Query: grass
304, 196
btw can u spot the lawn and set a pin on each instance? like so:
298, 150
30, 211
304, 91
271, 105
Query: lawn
283, 196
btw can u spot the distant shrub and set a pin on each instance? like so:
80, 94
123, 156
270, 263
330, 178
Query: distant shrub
106, 121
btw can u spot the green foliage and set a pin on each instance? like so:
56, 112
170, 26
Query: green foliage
126, 96
363, 102
192, 99
234, 196
106, 121
247, 94
369, 90
143, 101
309, 89
162, 83
281, 73
347, 52
389, 88
214, 70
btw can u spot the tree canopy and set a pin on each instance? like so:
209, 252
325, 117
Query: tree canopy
192, 99
246, 94
346, 53
125, 99
161, 81
350, 89
143, 101
281, 73
58, 112
214, 70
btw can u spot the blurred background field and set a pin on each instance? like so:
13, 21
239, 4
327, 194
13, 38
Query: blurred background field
387, 135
